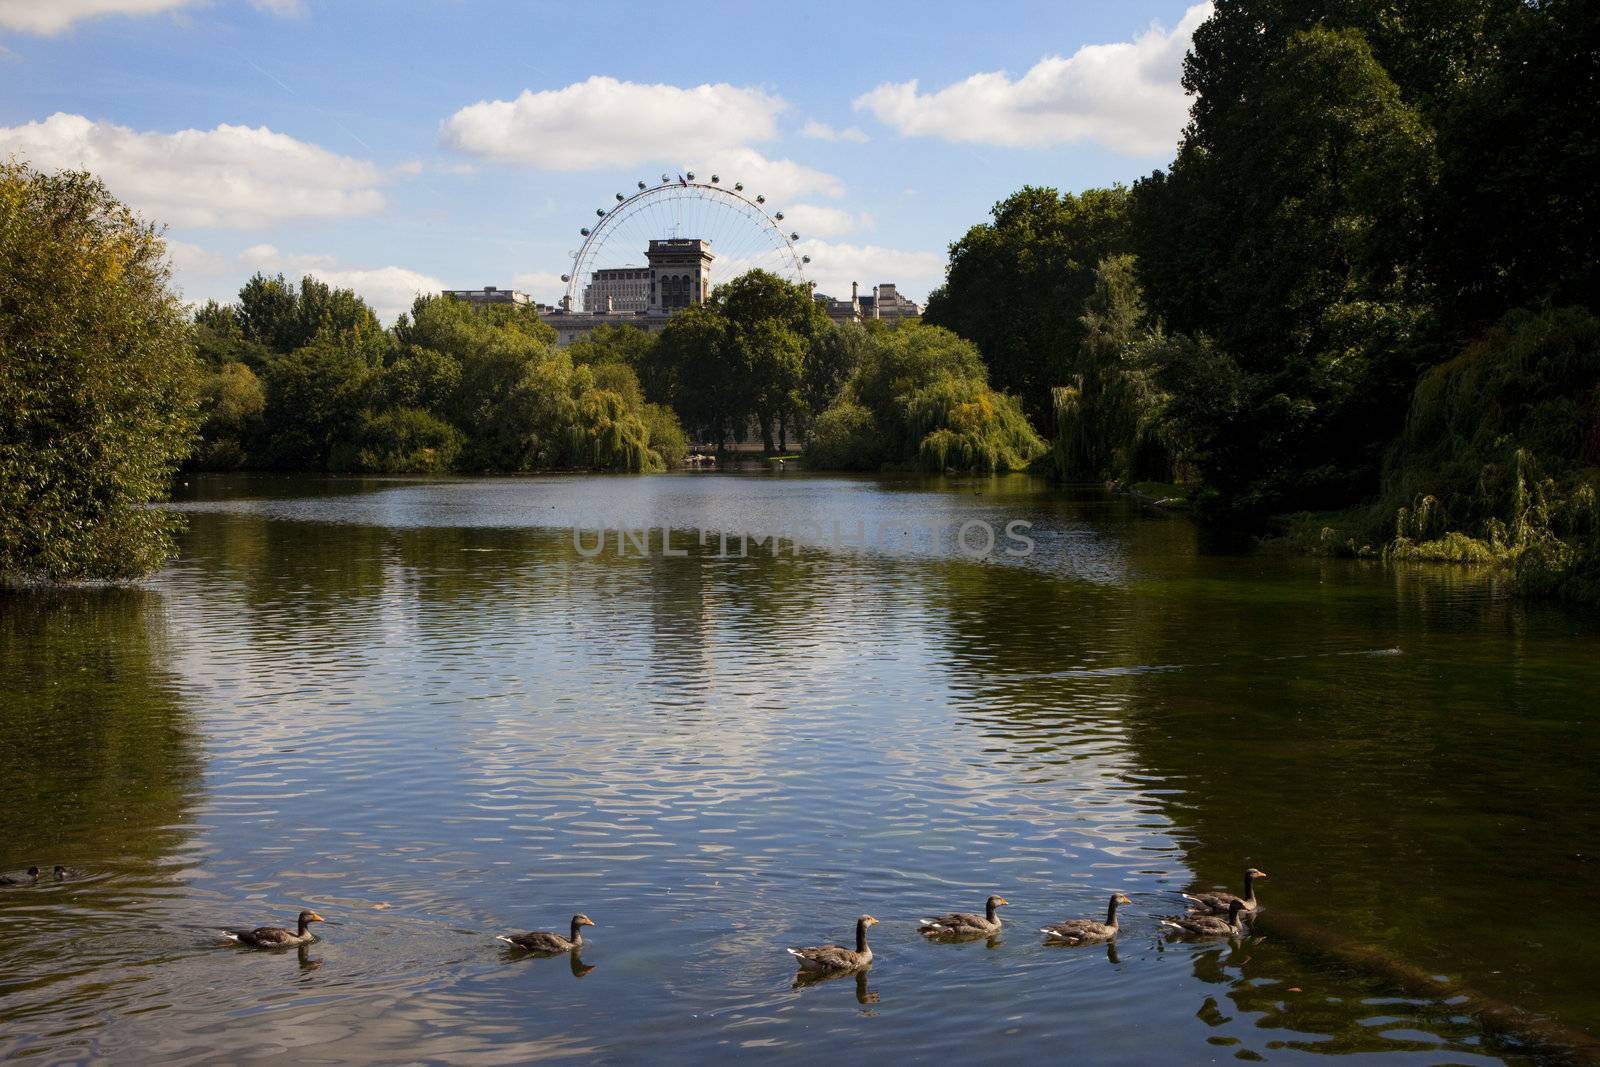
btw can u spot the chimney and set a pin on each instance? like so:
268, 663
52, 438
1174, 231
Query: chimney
855, 292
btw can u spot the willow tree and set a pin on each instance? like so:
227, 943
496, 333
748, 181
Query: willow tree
98, 402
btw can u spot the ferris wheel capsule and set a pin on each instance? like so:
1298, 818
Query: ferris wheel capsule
715, 179
803, 259
794, 237
738, 187
689, 175
779, 216
566, 277
584, 231
620, 198
666, 179
760, 199
641, 186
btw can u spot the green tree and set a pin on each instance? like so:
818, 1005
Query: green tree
694, 367
97, 381
233, 402
920, 397
1292, 241
1110, 421
1015, 284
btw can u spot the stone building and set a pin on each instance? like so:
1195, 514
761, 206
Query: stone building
619, 289
489, 294
886, 303
678, 275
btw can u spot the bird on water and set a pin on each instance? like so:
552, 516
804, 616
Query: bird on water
1210, 925
822, 958
547, 942
277, 936
1086, 931
1218, 903
965, 923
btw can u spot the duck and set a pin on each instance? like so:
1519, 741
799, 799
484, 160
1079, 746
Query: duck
822, 958
1087, 931
549, 943
66, 874
28, 877
277, 936
1210, 925
963, 923
1219, 902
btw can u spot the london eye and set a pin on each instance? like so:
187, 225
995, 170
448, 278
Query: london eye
742, 230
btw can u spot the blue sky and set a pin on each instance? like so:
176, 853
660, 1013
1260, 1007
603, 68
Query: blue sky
401, 145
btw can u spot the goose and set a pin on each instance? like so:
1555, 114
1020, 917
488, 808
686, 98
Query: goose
30, 876
547, 942
1209, 925
1086, 931
1218, 903
962, 923
821, 958
277, 936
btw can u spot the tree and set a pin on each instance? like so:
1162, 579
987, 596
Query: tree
694, 367
1110, 420
1291, 239
920, 397
1015, 284
97, 381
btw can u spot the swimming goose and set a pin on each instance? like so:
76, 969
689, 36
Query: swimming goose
836, 957
1219, 902
27, 878
1086, 931
277, 936
547, 942
1210, 925
962, 923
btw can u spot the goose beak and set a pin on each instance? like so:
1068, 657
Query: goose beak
314, 917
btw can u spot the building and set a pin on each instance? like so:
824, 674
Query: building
489, 294
678, 276
619, 289
886, 303
680, 273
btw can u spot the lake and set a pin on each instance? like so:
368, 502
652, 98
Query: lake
427, 710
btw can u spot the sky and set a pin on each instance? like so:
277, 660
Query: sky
406, 146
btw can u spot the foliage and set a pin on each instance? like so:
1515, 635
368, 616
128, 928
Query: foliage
1015, 284
920, 397
1111, 421
452, 386
97, 381
845, 437
1288, 235
232, 401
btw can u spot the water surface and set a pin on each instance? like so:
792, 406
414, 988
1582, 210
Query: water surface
418, 708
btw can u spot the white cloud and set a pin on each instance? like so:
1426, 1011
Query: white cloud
821, 131
603, 123
232, 176
778, 180
53, 16
834, 266
50, 17
815, 220
1125, 97
202, 275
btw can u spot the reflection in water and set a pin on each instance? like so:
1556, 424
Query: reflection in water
413, 706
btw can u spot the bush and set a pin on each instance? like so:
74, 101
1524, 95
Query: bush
845, 437
97, 382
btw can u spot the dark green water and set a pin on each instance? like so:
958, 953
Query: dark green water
416, 708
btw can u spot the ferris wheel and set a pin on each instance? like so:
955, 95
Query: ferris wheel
742, 232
